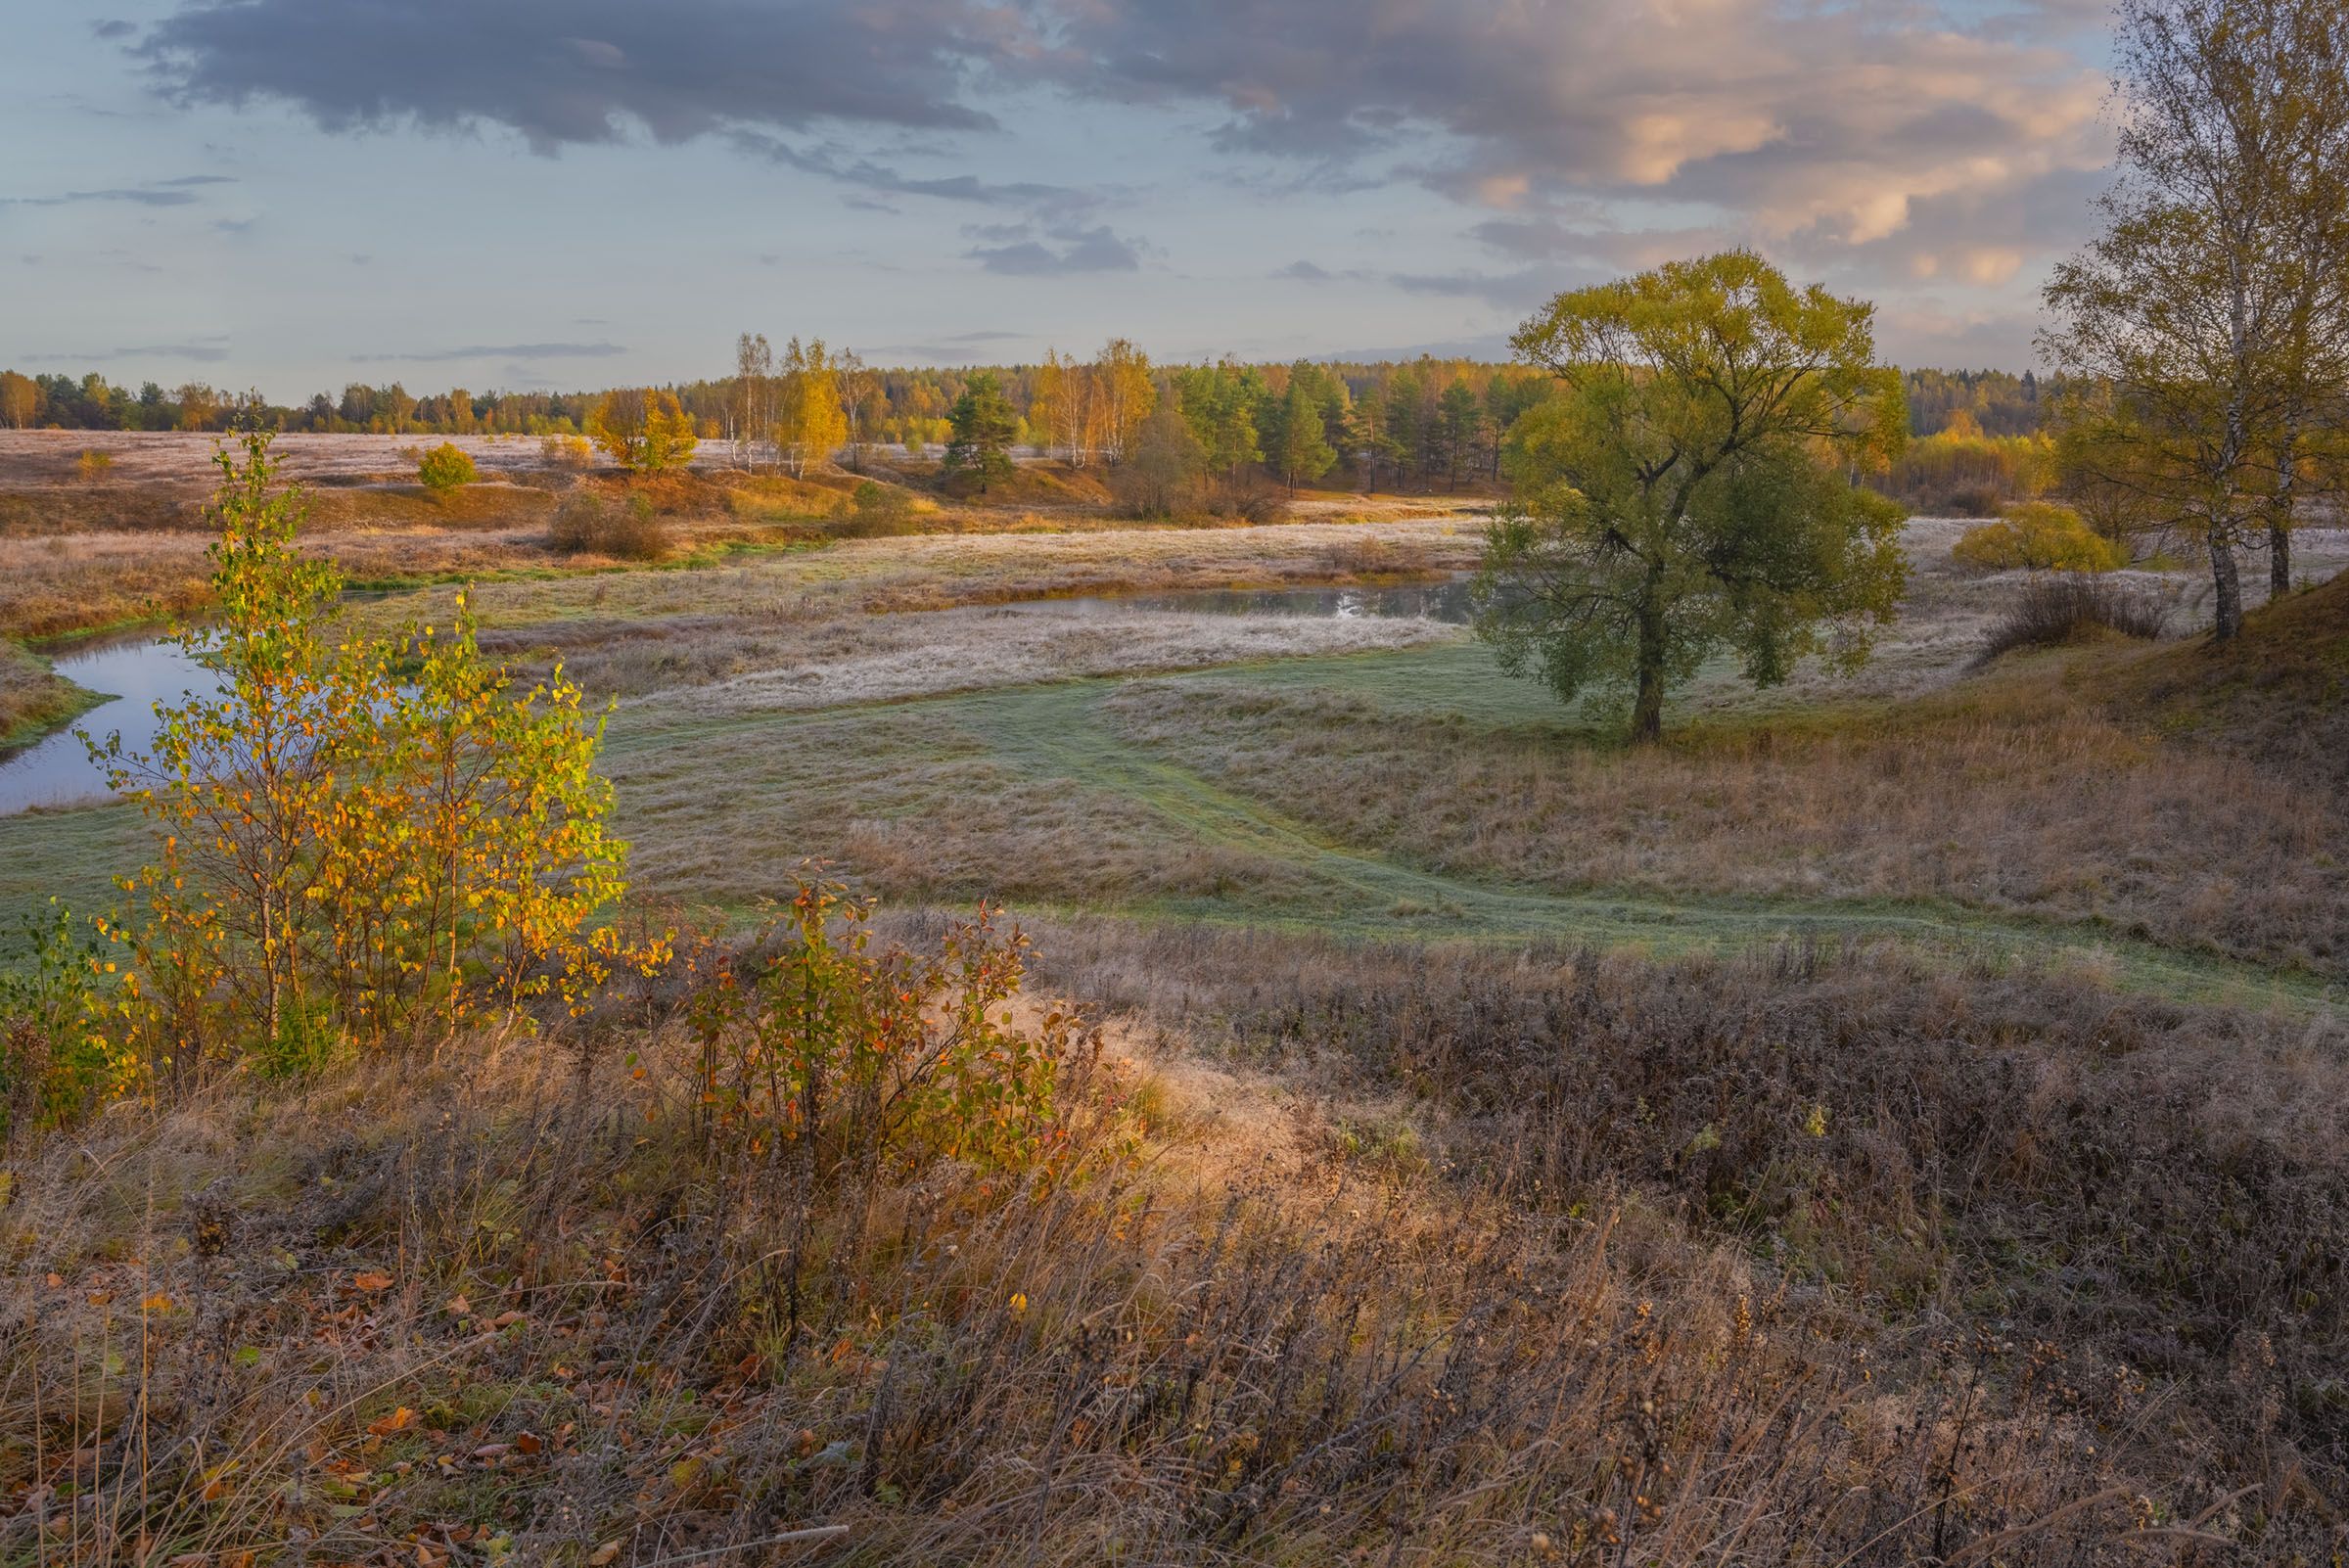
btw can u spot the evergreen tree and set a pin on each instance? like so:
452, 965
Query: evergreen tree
985, 428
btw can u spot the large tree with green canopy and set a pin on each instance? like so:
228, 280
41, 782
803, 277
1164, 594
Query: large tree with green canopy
1695, 489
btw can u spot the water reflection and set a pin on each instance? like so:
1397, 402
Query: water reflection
137, 673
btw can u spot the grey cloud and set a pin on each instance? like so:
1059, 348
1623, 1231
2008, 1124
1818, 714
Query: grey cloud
1094, 250
152, 193
112, 28
955, 349
568, 72
1306, 272
506, 350
1506, 291
1041, 200
204, 352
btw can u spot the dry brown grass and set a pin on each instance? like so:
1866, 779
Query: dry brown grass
2279, 694
2023, 796
2147, 1190
511, 1306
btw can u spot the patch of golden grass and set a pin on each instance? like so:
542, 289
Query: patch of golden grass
511, 1304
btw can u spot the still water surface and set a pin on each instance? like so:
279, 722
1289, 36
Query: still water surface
140, 671
137, 674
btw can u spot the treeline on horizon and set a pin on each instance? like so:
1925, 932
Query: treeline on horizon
1979, 436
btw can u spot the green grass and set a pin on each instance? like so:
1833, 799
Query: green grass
1030, 793
34, 699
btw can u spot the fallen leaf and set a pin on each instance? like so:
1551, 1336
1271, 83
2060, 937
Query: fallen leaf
371, 1280
602, 1554
457, 1306
399, 1420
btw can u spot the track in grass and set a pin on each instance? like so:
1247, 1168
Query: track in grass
1057, 733
1058, 736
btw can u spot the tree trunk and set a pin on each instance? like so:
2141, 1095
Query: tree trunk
2279, 510
1648, 710
2228, 617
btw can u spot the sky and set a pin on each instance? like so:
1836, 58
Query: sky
529, 194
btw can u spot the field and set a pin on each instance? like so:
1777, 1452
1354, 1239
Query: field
1897, 1119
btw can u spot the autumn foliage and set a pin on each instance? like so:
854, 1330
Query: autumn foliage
2039, 535
643, 429
444, 467
360, 840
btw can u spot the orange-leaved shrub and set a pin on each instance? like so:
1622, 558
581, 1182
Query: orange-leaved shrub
643, 429
2039, 535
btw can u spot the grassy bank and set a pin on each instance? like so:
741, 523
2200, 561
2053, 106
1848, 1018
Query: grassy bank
34, 697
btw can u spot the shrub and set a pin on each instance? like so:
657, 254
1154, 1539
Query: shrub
2039, 535
567, 451
2056, 608
865, 1058
444, 467
359, 838
589, 523
94, 465
873, 511
53, 1056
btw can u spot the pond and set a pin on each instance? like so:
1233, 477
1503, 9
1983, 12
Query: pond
1446, 601
140, 671
136, 674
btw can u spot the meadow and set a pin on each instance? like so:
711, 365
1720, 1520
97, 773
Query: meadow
1895, 1120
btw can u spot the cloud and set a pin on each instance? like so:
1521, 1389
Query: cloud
1306, 272
1066, 250
152, 193
563, 73
1797, 117
204, 352
1506, 291
955, 349
1043, 201
506, 350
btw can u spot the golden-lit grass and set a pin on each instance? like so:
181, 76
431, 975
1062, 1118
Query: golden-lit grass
510, 1307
